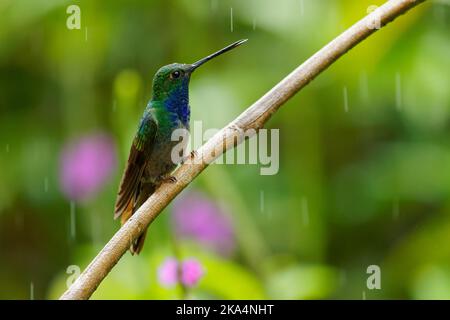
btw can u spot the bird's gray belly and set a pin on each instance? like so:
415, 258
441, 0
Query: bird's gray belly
160, 163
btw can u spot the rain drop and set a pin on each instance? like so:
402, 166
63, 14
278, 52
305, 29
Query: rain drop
231, 19
31, 291
345, 92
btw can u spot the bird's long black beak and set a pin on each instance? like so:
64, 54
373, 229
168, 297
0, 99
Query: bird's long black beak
197, 64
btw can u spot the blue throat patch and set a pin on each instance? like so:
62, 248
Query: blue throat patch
177, 103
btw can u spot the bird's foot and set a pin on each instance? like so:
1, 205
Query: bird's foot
169, 179
190, 157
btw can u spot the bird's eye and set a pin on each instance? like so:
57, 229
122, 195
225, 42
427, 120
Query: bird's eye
175, 75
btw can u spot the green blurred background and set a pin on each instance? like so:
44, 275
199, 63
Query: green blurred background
364, 173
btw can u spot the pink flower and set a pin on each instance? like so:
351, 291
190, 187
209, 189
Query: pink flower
197, 217
192, 271
167, 272
189, 275
85, 165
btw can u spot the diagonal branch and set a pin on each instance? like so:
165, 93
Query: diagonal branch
253, 118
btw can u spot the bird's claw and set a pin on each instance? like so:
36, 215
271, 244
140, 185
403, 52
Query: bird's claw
190, 157
170, 179
193, 154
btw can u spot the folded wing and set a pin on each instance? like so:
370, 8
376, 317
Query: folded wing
140, 151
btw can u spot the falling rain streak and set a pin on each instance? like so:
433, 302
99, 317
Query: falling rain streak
31, 291
72, 220
7, 147
86, 34
398, 90
345, 91
255, 6
231, 19
302, 7
364, 295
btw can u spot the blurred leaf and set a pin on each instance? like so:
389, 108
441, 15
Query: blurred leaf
302, 282
431, 283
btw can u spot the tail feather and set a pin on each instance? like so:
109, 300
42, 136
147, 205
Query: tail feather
138, 244
127, 213
145, 192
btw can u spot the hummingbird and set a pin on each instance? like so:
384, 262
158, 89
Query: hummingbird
149, 162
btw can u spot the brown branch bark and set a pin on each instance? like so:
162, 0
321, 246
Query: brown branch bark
253, 118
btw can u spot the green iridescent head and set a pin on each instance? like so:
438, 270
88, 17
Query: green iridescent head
170, 77
174, 76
